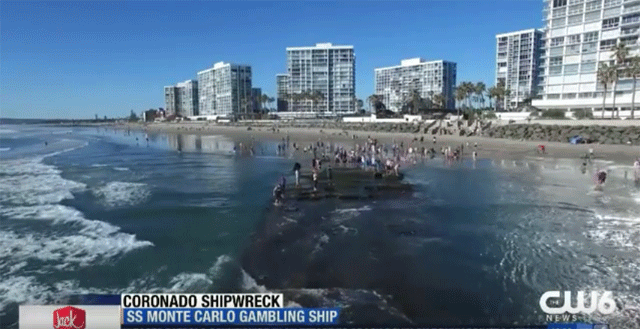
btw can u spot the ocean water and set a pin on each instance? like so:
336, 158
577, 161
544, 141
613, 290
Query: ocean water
106, 211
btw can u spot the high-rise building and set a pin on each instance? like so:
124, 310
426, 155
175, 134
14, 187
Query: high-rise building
256, 99
517, 60
225, 90
182, 99
171, 100
396, 83
579, 36
325, 70
188, 91
282, 86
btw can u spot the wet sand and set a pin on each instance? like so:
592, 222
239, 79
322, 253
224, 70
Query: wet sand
487, 147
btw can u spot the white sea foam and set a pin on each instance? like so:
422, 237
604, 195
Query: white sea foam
4, 149
118, 194
189, 283
343, 215
31, 191
217, 270
97, 242
28, 290
250, 285
120, 169
7, 131
97, 165
31, 182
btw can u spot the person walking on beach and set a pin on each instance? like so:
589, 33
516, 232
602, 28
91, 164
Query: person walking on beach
296, 171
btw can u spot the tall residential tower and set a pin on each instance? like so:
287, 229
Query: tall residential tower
579, 37
182, 99
282, 86
396, 83
327, 70
225, 90
517, 60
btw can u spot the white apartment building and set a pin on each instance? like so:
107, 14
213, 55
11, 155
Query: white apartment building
517, 61
579, 36
325, 68
182, 99
282, 87
396, 83
171, 100
224, 90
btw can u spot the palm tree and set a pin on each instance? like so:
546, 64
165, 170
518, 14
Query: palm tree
492, 92
374, 101
505, 95
270, 100
633, 71
461, 94
606, 76
264, 99
297, 98
416, 101
438, 101
620, 53
315, 97
480, 88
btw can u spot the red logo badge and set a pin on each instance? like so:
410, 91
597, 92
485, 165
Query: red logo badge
69, 318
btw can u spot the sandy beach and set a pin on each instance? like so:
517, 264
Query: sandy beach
487, 147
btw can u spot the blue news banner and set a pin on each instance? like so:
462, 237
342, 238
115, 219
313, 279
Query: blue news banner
247, 316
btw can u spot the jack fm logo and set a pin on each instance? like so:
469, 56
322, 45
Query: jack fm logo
69, 318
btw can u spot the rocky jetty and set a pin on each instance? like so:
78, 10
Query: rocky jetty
591, 134
629, 135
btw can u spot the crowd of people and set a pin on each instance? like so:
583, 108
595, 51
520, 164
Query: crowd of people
369, 156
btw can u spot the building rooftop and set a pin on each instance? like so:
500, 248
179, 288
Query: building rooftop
501, 35
412, 62
327, 45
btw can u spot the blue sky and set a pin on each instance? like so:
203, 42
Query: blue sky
75, 59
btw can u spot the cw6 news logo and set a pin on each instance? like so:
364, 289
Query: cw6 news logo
603, 304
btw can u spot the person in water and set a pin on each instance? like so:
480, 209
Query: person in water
278, 194
600, 176
315, 180
283, 183
636, 170
296, 171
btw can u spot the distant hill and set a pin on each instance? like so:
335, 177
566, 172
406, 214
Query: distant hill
9, 121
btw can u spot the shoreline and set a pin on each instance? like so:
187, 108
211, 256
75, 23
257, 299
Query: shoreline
487, 146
